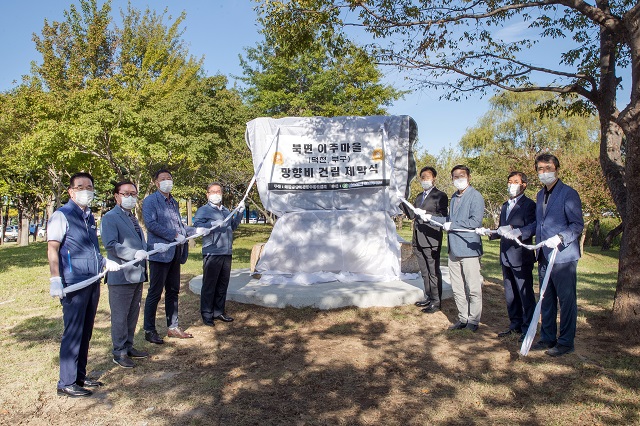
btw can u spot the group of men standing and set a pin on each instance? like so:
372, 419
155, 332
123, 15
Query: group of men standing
555, 219
74, 256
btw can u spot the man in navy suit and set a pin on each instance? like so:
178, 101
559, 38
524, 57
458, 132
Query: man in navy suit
427, 238
517, 262
559, 223
124, 241
164, 225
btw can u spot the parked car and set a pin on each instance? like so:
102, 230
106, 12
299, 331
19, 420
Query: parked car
11, 234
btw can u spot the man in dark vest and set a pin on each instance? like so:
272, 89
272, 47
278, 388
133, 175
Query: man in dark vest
74, 256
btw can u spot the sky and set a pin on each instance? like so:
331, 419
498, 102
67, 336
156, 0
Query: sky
219, 30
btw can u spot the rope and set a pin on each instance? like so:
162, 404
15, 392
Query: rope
533, 326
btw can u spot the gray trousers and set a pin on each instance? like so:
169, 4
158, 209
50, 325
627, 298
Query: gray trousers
124, 301
466, 283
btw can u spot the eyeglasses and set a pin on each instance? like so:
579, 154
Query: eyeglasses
83, 188
128, 194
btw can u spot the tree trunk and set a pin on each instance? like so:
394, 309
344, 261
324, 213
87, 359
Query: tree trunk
608, 240
595, 234
23, 231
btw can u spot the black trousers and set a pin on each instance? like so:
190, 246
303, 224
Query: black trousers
163, 276
78, 313
561, 291
429, 263
215, 281
124, 301
518, 293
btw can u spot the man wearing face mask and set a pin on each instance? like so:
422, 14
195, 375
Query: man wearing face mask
216, 253
162, 219
74, 256
465, 248
517, 262
427, 238
559, 223
124, 241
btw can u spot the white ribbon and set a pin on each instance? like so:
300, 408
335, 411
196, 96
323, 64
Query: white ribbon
533, 326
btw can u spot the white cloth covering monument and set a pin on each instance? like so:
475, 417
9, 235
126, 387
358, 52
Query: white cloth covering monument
332, 182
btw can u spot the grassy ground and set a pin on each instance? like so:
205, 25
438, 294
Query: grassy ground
304, 366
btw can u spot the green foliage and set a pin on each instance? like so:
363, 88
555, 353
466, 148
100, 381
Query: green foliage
307, 68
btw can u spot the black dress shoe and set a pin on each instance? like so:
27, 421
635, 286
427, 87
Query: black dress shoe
507, 332
542, 345
472, 327
88, 383
223, 318
124, 361
134, 353
74, 391
153, 337
208, 323
423, 303
559, 350
458, 325
430, 309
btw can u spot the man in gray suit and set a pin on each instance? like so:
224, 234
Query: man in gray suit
124, 241
465, 248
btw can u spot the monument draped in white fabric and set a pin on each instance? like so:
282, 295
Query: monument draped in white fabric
332, 182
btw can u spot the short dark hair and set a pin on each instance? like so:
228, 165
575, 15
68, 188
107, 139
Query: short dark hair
461, 167
428, 169
117, 186
159, 172
79, 175
547, 158
523, 177
214, 184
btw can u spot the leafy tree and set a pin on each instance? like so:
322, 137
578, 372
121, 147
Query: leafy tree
331, 76
457, 46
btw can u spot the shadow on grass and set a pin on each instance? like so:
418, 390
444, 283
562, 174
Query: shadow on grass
33, 255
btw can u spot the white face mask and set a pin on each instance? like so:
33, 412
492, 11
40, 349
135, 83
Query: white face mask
547, 178
426, 184
215, 199
84, 198
129, 202
513, 189
461, 184
166, 186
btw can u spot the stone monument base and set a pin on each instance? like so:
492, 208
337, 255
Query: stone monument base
245, 289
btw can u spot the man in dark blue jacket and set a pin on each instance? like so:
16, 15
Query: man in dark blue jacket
559, 224
216, 252
517, 262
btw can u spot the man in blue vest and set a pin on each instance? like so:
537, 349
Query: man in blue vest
216, 253
74, 256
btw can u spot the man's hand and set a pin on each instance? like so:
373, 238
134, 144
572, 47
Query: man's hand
514, 234
504, 229
202, 231
216, 224
180, 238
55, 287
161, 247
425, 217
140, 255
483, 231
111, 266
553, 242
447, 226
419, 212
241, 207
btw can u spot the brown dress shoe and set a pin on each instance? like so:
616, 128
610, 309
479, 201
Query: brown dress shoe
178, 333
